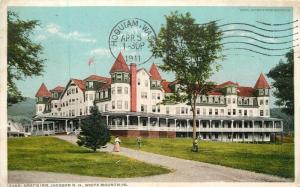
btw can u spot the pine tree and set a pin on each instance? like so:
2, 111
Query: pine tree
95, 132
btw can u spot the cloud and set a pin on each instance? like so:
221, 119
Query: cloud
100, 52
54, 30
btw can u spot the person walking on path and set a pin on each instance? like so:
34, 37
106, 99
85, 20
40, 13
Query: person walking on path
117, 144
139, 141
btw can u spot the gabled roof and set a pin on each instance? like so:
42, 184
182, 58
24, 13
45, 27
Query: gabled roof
246, 91
228, 83
96, 78
165, 86
106, 85
154, 73
261, 82
119, 65
58, 89
79, 83
43, 91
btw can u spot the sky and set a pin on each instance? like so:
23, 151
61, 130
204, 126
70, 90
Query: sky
70, 36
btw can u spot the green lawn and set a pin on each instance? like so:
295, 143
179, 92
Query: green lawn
272, 159
54, 155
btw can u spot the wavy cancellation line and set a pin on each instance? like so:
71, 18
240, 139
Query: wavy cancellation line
265, 48
254, 51
262, 35
265, 42
260, 28
276, 24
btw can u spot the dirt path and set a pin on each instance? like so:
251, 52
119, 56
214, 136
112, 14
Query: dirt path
184, 171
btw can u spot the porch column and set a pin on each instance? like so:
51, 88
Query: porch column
123, 122
243, 126
232, 130
127, 121
209, 123
116, 124
139, 122
187, 124
222, 130
53, 126
71, 126
107, 120
42, 125
31, 126
252, 130
199, 121
148, 123
175, 123
79, 123
263, 126
66, 125
166, 122
157, 123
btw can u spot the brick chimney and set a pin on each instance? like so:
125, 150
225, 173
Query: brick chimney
133, 87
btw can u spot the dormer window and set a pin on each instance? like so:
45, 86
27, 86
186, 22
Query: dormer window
260, 91
90, 84
119, 76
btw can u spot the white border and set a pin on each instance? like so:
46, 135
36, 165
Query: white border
250, 3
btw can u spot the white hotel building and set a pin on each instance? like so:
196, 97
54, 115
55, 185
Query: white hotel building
129, 101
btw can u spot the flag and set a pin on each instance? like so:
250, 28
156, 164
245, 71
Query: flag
91, 61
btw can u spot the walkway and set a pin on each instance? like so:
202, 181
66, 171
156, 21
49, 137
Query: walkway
184, 171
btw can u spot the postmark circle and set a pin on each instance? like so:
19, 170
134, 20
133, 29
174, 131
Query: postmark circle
131, 37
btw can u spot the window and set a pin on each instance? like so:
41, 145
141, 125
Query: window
106, 107
198, 110
246, 135
101, 95
167, 110
158, 108
106, 93
126, 104
91, 97
233, 101
119, 90
229, 101
210, 111
216, 112
245, 112
261, 113
158, 96
146, 83
76, 90
113, 106
119, 76
153, 95
233, 112
153, 108
142, 108
267, 101
144, 95
229, 112
126, 90
186, 110
40, 108
90, 85
240, 112
182, 110
119, 104
113, 90
261, 102
139, 81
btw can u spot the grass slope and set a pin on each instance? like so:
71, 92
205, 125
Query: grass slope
54, 155
272, 159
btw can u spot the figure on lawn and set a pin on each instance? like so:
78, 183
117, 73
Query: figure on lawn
117, 144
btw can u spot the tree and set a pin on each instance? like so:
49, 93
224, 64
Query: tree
95, 132
283, 76
190, 51
23, 55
